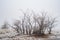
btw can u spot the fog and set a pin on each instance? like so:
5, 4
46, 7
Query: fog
10, 9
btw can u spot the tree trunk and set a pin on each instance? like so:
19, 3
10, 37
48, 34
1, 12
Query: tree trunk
50, 31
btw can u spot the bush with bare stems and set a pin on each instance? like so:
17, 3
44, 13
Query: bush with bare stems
35, 25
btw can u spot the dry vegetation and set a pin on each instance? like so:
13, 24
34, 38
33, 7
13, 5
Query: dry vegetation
33, 25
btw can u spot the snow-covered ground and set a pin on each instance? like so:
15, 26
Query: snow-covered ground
11, 35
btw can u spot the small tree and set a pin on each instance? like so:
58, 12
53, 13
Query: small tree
51, 24
17, 25
40, 20
44, 23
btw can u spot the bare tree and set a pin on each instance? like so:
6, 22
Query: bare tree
39, 24
26, 23
17, 25
44, 23
40, 20
51, 24
30, 24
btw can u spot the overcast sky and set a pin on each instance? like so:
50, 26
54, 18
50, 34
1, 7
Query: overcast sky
9, 9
